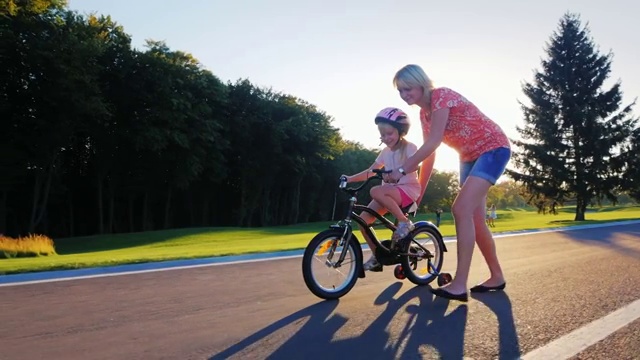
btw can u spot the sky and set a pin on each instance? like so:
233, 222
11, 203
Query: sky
341, 56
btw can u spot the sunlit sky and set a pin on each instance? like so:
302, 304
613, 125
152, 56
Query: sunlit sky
341, 55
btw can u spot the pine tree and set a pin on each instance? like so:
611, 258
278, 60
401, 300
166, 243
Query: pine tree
631, 178
570, 147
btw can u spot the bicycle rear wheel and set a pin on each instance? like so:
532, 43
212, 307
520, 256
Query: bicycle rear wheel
322, 275
426, 255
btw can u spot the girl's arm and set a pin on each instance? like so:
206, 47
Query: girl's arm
365, 174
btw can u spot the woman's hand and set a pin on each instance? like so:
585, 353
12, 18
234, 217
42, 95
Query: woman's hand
394, 176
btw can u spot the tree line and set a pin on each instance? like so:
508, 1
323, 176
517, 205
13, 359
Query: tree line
99, 137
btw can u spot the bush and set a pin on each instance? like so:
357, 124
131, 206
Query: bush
28, 246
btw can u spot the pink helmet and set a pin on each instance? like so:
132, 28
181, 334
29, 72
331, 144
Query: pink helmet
396, 118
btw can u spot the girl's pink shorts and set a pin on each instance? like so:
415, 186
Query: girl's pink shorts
406, 200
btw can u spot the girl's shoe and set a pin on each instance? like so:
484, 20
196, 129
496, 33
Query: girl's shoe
402, 231
372, 264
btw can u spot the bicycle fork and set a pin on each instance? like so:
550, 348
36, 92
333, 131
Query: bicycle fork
343, 242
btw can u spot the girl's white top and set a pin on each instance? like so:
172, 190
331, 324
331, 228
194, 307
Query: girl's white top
392, 160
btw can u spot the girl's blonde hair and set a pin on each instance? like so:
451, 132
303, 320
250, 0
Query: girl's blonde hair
411, 76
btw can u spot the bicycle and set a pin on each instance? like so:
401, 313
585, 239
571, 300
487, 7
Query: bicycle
423, 243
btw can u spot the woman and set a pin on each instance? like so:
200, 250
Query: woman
484, 150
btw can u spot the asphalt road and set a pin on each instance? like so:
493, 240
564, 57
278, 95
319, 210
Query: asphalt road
556, 283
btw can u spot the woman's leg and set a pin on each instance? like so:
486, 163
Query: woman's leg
467, 203
470, 214
487, 247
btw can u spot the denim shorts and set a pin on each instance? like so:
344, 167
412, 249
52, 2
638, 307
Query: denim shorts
488, 166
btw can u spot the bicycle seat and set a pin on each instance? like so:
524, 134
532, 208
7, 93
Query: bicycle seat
411, 208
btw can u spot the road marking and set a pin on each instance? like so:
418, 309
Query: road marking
578, 340
131, 269
120, 273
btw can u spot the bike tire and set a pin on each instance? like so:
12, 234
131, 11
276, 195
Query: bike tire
415, 266
314, 265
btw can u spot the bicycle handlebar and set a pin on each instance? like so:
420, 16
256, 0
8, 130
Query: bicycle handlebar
378, 175
343, 182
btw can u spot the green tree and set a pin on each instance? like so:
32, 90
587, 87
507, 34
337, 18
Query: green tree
279, 147
173, 127
507, 194
574, 128
353, 157
30, 7
51, 90
441, 191
631, 178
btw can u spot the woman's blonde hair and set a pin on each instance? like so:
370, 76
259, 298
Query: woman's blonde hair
411, 76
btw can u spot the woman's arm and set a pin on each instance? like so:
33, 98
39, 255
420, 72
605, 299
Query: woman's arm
438, 124
425, 174
439, 120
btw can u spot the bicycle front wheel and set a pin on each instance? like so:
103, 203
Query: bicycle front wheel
425, 258
324, 275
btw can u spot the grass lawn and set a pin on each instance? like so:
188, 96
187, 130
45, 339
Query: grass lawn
103, 250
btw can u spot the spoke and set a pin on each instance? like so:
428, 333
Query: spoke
320, 260
340, 272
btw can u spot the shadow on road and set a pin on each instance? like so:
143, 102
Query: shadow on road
499, 304
606, 237
428, 329
318, 328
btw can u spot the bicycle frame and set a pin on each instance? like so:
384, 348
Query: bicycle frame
353, 216
339, 246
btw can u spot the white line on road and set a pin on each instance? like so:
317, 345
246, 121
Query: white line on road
578, 340
122, 273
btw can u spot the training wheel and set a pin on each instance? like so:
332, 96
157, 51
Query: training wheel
398, 272
444, 279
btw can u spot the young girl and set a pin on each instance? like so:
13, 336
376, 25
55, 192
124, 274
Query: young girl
484, 150
393, 125
492, 215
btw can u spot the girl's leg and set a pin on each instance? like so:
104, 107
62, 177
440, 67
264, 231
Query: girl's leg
487, 247
372, 264
467, 203
369, 219
389, 197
